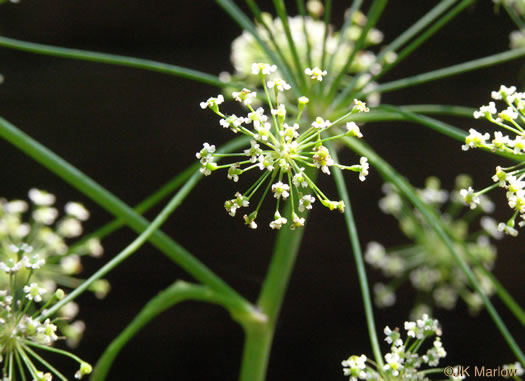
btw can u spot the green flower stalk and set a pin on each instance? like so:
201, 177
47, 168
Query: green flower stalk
511, 119
279, 150
405, 360
425, 262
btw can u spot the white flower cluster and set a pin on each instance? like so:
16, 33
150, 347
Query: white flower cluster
403, 362
308, 35
22, 332
511, 119
426, 262
37, 225
33, 236
279, 151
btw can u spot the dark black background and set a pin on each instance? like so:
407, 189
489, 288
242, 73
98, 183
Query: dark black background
132, 130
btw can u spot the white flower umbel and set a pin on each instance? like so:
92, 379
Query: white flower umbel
406, 358
425, 262
280, 151
509, 139
26, 333
36, 245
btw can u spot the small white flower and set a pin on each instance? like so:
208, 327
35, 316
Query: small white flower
281, 190
254, 151
299, 179
245, 96
322, 159
508, 114
393, 363
77, 210
263, 131
486, 111
470, 197
279, 84
213, 103
518, 144
45, 215
320, 123
266, 162
41, 198
233, 122
306, 202
33, 292
353, 130
278, 221
315, 73
360, 106
475, 139
206, 153
11, 266
375, 254
263, 68
34, 262
303, 100
363, 172
297, 222
517, 201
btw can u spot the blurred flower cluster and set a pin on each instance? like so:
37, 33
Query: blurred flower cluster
426, 262
33, 234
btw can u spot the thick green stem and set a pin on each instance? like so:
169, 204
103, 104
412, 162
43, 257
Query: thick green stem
111, 59
178, 292
358, 257
141, 208
133, 247
446, 72
259, 334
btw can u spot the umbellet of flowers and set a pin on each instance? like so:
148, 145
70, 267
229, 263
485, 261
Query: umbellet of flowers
426, 262
511, 119
403, 362
280, 151
35, 234
25, 330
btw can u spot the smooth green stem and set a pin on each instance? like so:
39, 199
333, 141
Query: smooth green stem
407, 190
111, 59
115, 206
356, 4
258, 339
259, 334
429, 33
178, 292
132, 248
441, 127
502, 293
447, 72
358, 257
380, 114
141, 208
280, 8
417, 27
